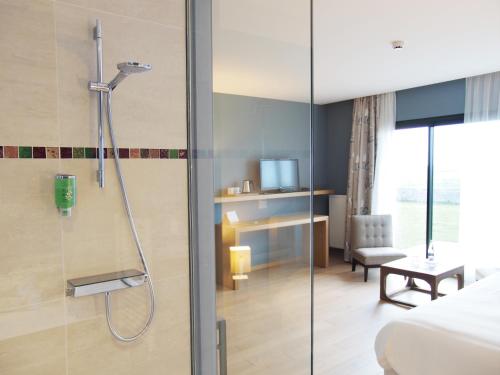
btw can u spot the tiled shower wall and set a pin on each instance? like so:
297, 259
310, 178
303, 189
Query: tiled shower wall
48, 56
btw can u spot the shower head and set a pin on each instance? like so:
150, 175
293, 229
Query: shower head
126, 68
133, 67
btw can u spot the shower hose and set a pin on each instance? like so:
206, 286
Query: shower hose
137, 241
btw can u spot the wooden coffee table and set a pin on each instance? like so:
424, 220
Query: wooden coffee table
418, 268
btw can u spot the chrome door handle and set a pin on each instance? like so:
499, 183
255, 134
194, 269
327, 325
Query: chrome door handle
222, 346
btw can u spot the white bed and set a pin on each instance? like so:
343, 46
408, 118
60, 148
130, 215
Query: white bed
456, 335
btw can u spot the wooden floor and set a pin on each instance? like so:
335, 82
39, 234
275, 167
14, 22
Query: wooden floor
268, 320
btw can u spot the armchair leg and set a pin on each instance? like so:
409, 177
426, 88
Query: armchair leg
366, 274
353, 264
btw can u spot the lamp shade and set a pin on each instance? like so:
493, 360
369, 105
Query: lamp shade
241, 259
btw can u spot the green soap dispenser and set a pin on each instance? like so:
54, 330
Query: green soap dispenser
65, 193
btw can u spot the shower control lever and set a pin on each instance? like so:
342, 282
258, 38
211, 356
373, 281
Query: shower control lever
103, 283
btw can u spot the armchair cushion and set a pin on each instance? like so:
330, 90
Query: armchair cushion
374, 256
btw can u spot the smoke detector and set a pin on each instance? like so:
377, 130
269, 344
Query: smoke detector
397, 44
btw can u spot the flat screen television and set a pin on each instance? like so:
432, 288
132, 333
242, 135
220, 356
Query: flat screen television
279, 175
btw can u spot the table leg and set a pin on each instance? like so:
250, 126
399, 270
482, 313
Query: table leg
236, 285
460, 279
383, 284
434, 289
321, 248
383, 290
411, 283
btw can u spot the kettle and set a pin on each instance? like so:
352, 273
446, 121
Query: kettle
247, 186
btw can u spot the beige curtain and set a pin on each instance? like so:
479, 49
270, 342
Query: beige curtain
482, 98
361, 163
479, 177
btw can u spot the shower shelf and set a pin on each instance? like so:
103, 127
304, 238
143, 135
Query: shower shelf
107, 282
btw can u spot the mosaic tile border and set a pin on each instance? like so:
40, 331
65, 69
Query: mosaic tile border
44, 152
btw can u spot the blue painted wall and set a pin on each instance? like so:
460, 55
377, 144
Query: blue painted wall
442, 99
338, 134
247, 129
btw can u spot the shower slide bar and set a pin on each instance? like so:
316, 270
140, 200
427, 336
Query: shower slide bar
100, 105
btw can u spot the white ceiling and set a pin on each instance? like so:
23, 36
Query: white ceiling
261, 47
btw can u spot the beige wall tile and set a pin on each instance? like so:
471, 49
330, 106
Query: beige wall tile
165, 348
46, 332
156, 353
32, 318
169, 257
96, 238
174, 358
39, 353
165, 205
32, 284
31, 266
167, 12
80, 309
159, 187
91, 339
131, 307
173, 304
149, 109
28, 99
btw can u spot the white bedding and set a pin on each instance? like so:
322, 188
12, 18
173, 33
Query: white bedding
457, 335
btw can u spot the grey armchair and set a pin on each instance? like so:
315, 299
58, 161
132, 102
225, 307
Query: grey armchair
371, 242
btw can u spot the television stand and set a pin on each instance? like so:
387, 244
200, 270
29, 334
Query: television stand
279, 192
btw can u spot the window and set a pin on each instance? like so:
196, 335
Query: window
411, 188
428, 183
447, 183
448, 144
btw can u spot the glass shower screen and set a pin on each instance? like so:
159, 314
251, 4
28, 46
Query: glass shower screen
262, 111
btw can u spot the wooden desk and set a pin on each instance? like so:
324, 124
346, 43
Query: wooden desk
259, 197
229, 235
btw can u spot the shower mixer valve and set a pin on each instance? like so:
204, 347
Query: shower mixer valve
105, 283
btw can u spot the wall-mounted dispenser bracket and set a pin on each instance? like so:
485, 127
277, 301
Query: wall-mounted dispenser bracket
108, 282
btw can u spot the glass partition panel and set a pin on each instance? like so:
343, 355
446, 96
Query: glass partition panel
262, 153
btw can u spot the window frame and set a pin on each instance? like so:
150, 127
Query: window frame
430, 123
